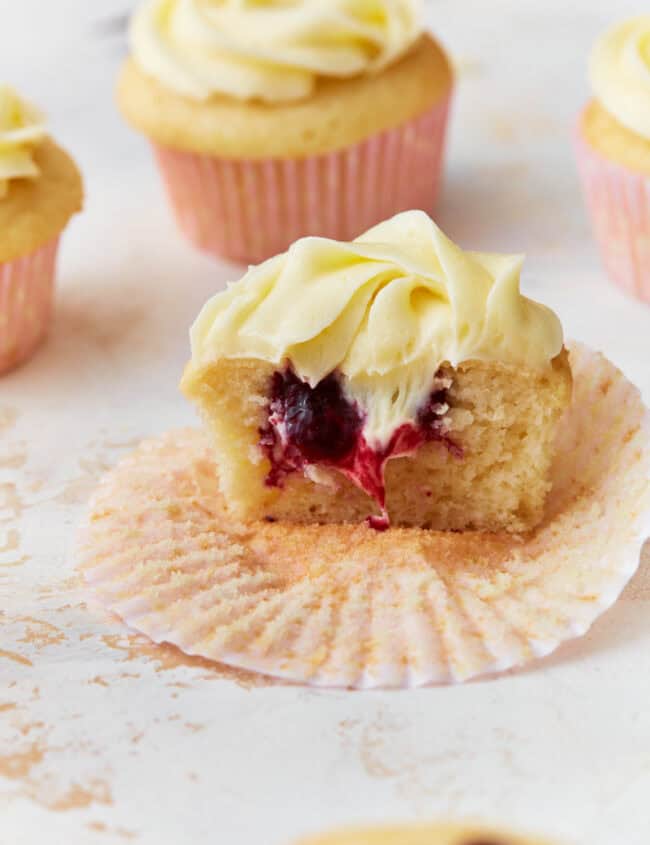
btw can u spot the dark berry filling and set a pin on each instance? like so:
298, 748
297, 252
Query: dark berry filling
319, 420
320, 425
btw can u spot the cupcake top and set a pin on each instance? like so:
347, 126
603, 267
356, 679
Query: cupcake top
620, 73
384, 311
40, 185
22, 130
273, 51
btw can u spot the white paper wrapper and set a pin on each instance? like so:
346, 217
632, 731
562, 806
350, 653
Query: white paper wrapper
346, 606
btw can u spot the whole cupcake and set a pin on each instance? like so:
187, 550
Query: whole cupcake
614, 153
40, 190
278, 120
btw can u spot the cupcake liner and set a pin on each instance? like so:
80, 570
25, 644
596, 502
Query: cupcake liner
618, 201
26, 293
343, 605
249, 210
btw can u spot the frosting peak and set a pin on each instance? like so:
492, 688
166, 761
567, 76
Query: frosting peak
620, 73
385, 310
272, 50
21, 130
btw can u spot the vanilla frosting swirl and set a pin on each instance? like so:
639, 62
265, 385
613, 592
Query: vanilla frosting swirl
21, 130
620, 73
273, 50
385, 310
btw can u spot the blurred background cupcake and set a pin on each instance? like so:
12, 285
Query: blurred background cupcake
278, 120
614, 153
40, 190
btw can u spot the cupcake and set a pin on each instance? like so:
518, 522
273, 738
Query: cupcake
394, 379
40, 190
443, 834
613, 140
279, 120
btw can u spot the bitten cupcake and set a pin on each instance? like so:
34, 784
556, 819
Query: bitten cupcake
278, 120
614, 153
398, 381
40, 190
395, 378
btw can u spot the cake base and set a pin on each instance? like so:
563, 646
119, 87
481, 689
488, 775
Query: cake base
346, 606
479, 462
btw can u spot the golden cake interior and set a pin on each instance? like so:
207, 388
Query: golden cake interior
502, 419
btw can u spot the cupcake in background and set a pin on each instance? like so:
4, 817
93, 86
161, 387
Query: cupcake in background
613, 142
40, 190
278, 120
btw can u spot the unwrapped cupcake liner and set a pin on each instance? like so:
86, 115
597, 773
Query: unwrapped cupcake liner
618, 201
249, 210
345, 606
26, 294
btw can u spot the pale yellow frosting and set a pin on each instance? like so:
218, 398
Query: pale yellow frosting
273, 50
620, 73
385, 310
21, 131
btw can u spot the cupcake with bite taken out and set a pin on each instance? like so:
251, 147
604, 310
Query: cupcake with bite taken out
394, 379
404, 477
40, 190
275, 121
613, 141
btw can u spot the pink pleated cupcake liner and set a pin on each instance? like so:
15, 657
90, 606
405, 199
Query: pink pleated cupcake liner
26, 294
249, 210
618, 201
346, 606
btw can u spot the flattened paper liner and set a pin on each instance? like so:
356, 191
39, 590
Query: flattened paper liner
343, 605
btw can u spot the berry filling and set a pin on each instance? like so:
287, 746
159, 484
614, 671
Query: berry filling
320, 425
308, 425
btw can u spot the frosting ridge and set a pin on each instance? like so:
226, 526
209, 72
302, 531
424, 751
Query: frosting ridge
273, 50
619, 71
21, 130
385, 311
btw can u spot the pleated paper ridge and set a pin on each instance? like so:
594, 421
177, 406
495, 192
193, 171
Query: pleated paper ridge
250, 209
26, 295
618, 202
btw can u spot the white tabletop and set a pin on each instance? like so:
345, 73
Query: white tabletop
104, 739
